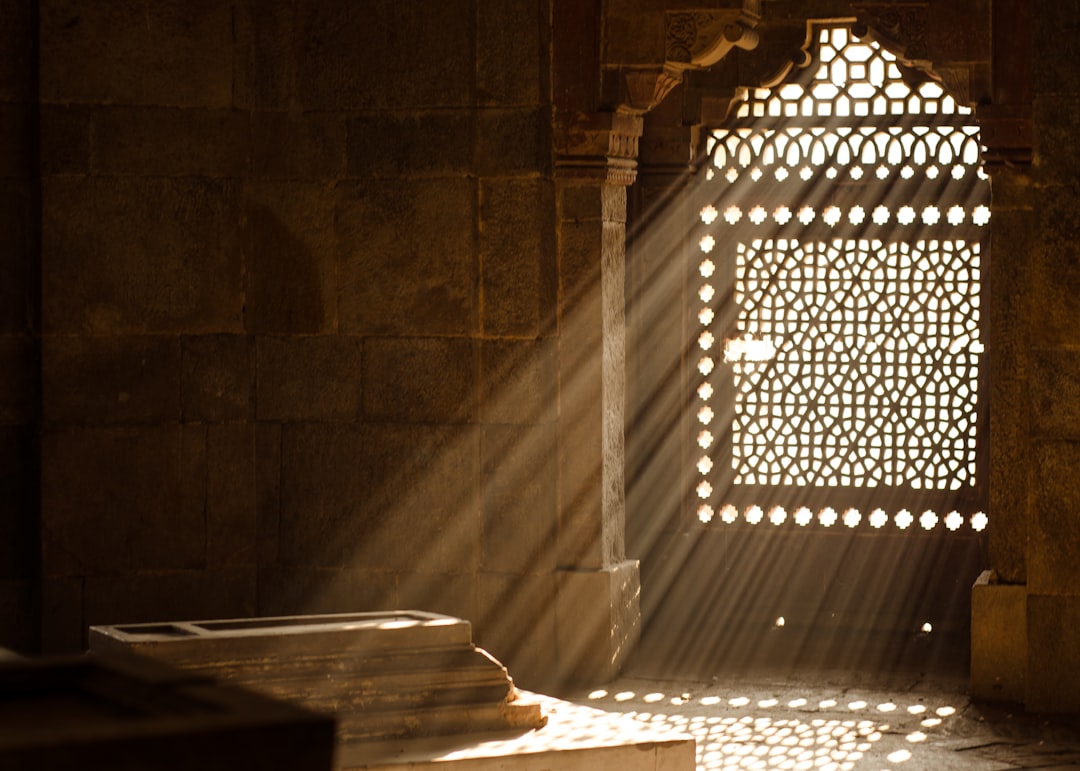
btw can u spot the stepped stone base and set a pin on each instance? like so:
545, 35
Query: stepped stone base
383, 676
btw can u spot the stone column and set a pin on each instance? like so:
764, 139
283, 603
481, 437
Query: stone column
597, 587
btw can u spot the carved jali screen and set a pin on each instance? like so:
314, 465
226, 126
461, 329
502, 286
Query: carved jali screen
836, 302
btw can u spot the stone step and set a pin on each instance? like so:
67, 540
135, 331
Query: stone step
382, 675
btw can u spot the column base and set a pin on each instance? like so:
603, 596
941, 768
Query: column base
598, 622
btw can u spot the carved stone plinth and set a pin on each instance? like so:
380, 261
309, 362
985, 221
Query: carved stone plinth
129, 714
383, 676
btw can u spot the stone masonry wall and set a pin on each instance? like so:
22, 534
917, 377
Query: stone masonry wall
18, 319
299, 282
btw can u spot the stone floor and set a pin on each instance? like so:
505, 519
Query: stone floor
838, 721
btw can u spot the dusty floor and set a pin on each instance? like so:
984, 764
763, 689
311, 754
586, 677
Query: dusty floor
841, 721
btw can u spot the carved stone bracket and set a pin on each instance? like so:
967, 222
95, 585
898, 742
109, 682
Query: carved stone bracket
898, 27
1007, 133
699, 39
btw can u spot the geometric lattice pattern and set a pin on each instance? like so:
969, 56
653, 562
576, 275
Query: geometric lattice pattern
839, 283
871, 375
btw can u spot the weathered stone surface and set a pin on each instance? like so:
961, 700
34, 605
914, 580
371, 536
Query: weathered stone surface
267, 492
516, 624
19, 386
512, 142
578, 201
290, 590
289, 244
17, 140
1056, 157
217, 380
1055, 257
16, 40
510, 32
519, 505
19, 538
62, 629
292, 146
170, 142
231, 519
347, 61
518, 381
140, 597
1053, 675
65, 139
265, 55
598, 621
382, 497
517, 257
173, 53
111, 380
395, 144
1053, 538
421, 380
1055, 392
405, 257
309, 378
19, 264
18, 615
141, 255
116, 500
453, 594
999, 645
1057, 47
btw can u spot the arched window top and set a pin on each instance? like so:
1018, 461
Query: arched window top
848, 79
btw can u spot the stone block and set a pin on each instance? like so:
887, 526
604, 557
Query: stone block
19, 537
406, 257
291, 146
309, 378
519, 505
123, 499
578, 202
518, 381
512, 142
231, 521
1053, 634
291, 590
1055, 258
289, 241
515, 622
634, 36
62, 628
510, 32
217, 380
173, 53
170, 142
18, 615
1056, 158
421, 380
17, 41
517, 257
18, 262
598, 621
1053, 538
265, 56
18, 389
384, 497
144, 597
65, 139
348, 61
452, 594
17, 140
110, 380
406, 144
1055, 392
267, 492
141, 256
999, 651
1057, 45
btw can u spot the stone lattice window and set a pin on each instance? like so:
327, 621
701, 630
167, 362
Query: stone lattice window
836, 301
